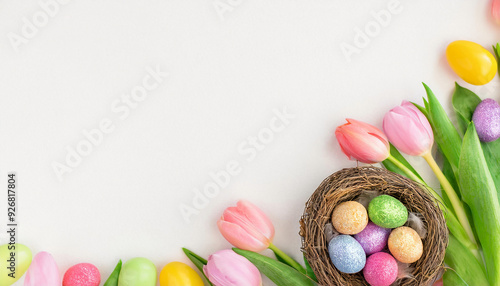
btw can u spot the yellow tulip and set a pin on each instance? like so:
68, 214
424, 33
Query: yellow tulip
179, 274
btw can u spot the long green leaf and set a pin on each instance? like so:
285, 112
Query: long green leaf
309, 271
445, 133
281, 274
479, 192
450, 277
198, 261
113, 278
464, 103
463, 262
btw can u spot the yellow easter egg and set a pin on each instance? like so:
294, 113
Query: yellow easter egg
405, 244
179, 274
471, 62
349, 217
15, 259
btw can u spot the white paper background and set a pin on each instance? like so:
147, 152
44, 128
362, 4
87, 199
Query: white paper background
226, 76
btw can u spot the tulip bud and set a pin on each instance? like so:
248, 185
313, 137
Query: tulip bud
43, 271
408, 129
247, 227
363, 142
226, 268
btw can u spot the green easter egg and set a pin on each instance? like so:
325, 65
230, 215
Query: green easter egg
138, 272
387, 211
14, 261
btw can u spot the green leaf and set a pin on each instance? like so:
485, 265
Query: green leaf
492, 155
496, 49
281, 274
445, 134
113, 278
464, 264
450, 277
464, 102
395, 169
479, 192
198, 261
421, 108
309, 271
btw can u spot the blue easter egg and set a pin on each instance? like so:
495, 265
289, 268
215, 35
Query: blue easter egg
347, 254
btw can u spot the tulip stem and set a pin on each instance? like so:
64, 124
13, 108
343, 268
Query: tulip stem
287, 259
414, 177
471, 245
452, 195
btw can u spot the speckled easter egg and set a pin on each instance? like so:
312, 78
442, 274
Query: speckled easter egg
373, 238
381, 269
487, 120
346, 254
83, 274
349, 217
405, 244
387, 212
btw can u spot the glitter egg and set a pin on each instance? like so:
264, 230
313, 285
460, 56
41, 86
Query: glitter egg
487, 120
387, 212
83, 274
381, 269
349, 217
346, 254
373, 238
405, 244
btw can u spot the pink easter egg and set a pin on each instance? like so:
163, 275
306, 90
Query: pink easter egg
381, 269
83, 274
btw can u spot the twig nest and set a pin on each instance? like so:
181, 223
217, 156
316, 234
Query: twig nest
353, 184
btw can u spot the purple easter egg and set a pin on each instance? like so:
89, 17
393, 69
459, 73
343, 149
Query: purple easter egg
381, 269
373, 238
486, 118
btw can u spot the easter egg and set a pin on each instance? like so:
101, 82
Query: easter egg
405, 244
43, 271
179, 274
486, 119
82, 274
14, 260
381, 269
471, 62
387, 212
373, 238
346, 254
138, 272
349, 217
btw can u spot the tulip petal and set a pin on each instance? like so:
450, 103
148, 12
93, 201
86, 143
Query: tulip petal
226, 268
495, 10
258, 218
238, 237
237, 216
43, 271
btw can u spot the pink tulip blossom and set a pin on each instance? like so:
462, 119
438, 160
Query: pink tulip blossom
227, 268
363, 142
43, 271
408, 129
247, 227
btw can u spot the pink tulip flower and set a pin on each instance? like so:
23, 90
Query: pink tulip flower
408, 129
247, 227
43, 271
227, 268
495, 10
363, 142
